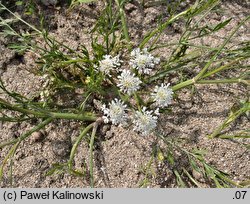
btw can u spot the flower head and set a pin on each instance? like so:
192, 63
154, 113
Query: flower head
108, 64
128, 83
162, 95
115, 113
145, 121
143, 61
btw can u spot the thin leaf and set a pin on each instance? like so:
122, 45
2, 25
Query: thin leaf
221, 25
180, 182
192, 179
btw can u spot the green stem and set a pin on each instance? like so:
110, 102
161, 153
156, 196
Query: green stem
193, 81
191, 178
226, 66
54, 115
27, 134
76, 144
230, 119
162, 27
137, 101
9, 119
234, 136
123, 20
71, 116
247, 82
183, 84
73, 61
197, 158
6, 159
17, 141
20, 19
188, 31
92, 139
147, 171
204, 70
34, 28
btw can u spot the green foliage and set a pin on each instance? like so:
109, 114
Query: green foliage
68, 70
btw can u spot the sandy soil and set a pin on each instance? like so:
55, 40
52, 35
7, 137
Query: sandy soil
120, 154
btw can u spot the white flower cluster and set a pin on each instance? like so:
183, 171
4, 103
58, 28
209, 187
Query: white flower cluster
108, 64
128, 83
162, 95
143, 61
115, 113
144, 120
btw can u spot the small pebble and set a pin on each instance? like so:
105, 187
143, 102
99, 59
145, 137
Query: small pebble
38, 136
197, 175
61, 148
